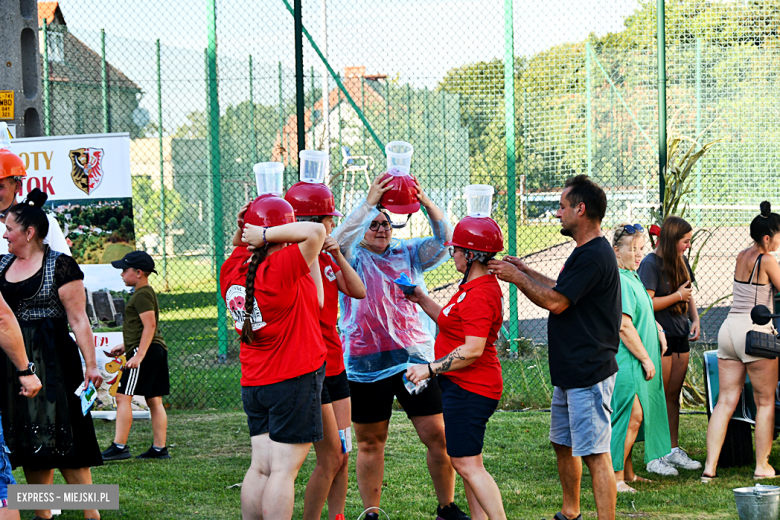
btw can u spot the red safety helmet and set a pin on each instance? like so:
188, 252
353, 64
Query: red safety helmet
402, 198
11, 165
269, 210
310, 199
478, 234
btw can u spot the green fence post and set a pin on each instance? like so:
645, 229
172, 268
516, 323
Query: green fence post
104, 81
46, 83
661, 30
511, 188
253, 133
524, 205
408, 113
588, 86
281, 111
300, 114
444, 132
427, 136
387, 107
698, 127
162, 170
363, 109
216, 181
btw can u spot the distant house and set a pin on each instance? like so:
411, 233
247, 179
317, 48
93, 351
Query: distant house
75, 77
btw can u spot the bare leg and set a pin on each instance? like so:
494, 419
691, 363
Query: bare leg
430, 429
7, 514
41, 476
763, 375
570, 473
80, 476
279, 492
674, 369
337, 497
329, 461
159, 420
268, 491
482, 486
604, 489
634, 422
475, 510
371, 439
124, 418
731, 379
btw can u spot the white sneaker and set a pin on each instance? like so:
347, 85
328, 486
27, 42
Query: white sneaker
661, 467
679, 459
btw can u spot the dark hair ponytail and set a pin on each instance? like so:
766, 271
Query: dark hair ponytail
258, 256
765, 224
28, 213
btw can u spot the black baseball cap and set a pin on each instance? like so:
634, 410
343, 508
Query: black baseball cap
136, 260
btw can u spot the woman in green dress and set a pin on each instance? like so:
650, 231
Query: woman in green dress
638, 399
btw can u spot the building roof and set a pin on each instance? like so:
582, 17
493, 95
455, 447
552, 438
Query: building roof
50, 11
81, 65
352, 83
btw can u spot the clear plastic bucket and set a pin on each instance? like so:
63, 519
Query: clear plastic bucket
5, 141
399, 156
479, 200
758, 503
268, 177
314, 165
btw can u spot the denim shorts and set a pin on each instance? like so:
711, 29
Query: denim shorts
289, 411
581, 418
466, 415
6, 477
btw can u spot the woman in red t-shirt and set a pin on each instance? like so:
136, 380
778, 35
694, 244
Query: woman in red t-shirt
274, 294
470, 381
314, 202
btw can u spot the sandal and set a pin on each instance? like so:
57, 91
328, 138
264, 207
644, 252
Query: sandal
706, 479
762, 477
560, 516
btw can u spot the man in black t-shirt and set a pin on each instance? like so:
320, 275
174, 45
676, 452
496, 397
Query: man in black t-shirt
583, 332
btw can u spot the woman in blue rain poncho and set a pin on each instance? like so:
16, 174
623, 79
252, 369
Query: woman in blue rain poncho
385, 333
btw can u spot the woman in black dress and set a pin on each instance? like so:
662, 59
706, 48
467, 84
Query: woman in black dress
45, 289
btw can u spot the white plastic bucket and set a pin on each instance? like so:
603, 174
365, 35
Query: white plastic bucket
314, 165
399, 156
269, 177
479, 200
758, 503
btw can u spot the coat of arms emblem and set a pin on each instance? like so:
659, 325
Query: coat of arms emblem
87, 168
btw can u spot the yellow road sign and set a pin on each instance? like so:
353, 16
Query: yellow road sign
6, 104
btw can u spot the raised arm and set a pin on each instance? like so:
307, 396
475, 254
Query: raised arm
308, 235
431, 308
535, 275
431, 251
540, 294
347, 279
352, 230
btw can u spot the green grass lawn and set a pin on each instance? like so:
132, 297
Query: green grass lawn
211, 453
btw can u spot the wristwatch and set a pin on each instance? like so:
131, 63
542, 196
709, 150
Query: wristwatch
29, 372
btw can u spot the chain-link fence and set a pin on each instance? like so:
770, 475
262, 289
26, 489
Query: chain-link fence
584, 99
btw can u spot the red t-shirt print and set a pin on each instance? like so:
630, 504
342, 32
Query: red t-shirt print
329, 316
287, 336
475, 310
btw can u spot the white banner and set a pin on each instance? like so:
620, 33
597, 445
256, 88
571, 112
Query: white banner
77, 166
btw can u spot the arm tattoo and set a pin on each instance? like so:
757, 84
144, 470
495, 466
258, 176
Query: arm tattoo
446, 361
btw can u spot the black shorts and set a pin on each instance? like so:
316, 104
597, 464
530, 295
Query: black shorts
677, 345
289, 411
373, 402
466, 415
151, 378
335, 388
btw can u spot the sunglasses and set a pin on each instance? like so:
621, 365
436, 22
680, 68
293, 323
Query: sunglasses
631, 229
452, 250
374, 226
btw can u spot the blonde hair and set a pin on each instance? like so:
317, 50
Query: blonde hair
621, 238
